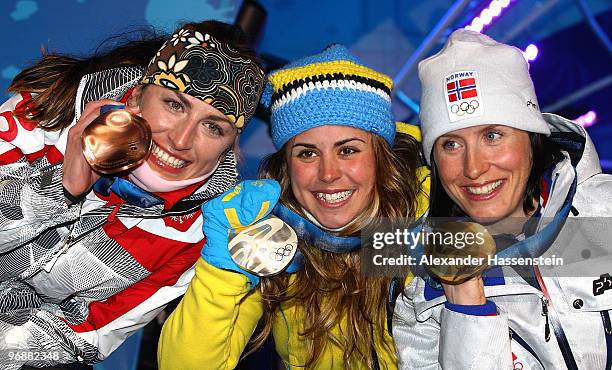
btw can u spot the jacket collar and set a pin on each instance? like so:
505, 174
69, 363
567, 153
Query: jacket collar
574, 138
108, 84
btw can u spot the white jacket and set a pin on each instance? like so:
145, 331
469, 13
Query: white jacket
430, 336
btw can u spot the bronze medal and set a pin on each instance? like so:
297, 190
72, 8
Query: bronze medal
116, 141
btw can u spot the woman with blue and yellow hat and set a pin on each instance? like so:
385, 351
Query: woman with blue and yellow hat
337, 169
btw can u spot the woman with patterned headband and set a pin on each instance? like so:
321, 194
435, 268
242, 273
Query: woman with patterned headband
85, 259
336, 172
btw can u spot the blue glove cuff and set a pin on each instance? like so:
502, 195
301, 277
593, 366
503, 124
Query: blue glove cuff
487, 309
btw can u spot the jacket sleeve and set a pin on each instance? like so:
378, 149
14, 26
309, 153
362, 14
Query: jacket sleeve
417, 343
32, 201
30, 178
21, 139
456, 341
54, 340
212, 324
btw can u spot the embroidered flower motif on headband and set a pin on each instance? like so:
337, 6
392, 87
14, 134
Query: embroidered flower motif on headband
200, 40
212, 71
170, 75
180, 36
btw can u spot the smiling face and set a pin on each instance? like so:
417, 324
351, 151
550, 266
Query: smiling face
484, 169
332, 170
189, 135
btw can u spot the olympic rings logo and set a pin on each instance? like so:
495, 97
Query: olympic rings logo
281, 252
465, 107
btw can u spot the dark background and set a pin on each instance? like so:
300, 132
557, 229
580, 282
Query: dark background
383, 33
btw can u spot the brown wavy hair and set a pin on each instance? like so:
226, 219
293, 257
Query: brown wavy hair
330, 285
55, 77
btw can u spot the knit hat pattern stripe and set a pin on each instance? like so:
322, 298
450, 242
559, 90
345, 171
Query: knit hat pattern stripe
283, 78
321, 107
330, 88
357, 83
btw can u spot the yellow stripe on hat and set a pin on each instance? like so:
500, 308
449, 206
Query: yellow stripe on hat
286, 76
408, 129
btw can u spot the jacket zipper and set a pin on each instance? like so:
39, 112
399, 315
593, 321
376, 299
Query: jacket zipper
605, 316
553, 184
545, 314
550, 313
49, 265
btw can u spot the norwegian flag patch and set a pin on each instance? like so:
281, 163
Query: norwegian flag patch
463, 99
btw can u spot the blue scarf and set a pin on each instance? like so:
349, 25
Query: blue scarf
314, 235
127, 191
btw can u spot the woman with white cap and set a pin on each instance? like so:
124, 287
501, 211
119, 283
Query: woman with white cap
496, 158
336, 173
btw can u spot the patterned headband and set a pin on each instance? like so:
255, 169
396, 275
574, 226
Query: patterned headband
199, 65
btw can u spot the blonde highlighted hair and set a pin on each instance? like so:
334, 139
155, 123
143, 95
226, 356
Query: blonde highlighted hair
330, 285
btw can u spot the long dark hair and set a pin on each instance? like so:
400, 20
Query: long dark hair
55, 77
544, 155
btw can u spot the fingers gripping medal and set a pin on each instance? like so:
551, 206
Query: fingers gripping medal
458, 251
265, 248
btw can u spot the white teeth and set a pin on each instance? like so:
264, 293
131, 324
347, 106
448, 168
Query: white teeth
334, 197
485, 189
167, 158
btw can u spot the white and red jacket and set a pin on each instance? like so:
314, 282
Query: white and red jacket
76, 281
552, 316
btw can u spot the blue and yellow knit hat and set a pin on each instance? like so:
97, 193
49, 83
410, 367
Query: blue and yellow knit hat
330, 88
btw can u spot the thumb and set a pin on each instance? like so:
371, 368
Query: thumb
259, 199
